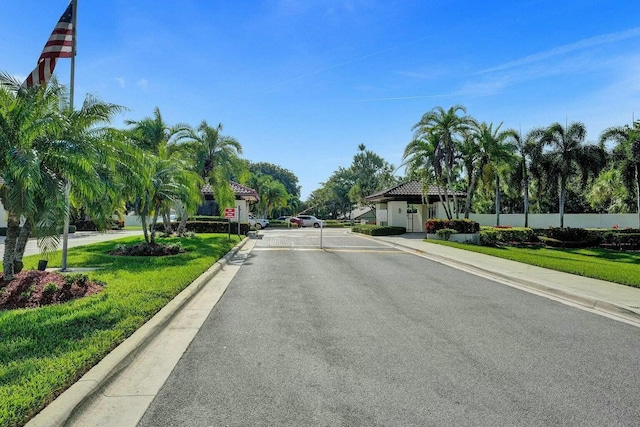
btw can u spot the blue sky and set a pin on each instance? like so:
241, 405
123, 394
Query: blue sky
301, 83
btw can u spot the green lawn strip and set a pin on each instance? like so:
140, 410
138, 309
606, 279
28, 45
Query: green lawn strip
45, 350
613, 266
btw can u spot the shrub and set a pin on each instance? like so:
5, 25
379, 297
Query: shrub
568, 237
208, 226
464, 226
445, 233
208, 218
50, 288
378, 230
620, 240
513, 236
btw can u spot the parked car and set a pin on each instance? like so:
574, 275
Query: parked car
295, 221
258, 223
311, 221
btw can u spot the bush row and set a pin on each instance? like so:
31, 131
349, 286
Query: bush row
464, 226
208, 227
492, 236
561, 237
378, 230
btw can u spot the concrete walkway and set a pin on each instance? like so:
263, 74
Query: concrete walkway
110, 388
79, 238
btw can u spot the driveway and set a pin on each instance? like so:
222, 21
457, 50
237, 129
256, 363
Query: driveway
359, 333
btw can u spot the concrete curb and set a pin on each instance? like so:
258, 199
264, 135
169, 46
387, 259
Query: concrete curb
582, 300
58, 412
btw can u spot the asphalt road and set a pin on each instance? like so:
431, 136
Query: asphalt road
359, 333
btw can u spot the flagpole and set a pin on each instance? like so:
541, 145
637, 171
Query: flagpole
67, 187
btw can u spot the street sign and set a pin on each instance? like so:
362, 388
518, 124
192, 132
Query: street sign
230, 213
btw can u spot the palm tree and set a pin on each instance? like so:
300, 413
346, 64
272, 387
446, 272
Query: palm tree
273, 195
44, 145
155, 136
421, 162
627, 155
525, 148
444, 129
608, 193
566, 149
216, 159
483, 146
164, 182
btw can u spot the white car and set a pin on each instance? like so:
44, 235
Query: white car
311, 221
258, 223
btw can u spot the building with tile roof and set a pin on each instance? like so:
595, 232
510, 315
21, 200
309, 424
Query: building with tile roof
409, 205
244, 197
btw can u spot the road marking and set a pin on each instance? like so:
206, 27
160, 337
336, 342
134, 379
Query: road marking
317, 249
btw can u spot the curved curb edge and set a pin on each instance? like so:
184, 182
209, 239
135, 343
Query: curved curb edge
60, 411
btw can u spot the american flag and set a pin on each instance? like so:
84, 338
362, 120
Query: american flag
59, 45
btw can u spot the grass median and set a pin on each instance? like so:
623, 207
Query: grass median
45, 350
604, 264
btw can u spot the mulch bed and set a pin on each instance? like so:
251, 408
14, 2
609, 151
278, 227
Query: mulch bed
31, 288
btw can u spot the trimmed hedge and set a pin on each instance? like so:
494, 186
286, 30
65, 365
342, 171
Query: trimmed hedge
515, 236
446, 233
378, 230
209, 227
569, 237
621, 240
208, 218
464, 226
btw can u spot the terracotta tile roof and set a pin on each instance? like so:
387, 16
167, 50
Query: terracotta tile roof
410, 189
242, 192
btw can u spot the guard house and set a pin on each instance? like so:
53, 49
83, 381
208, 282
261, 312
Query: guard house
409, 205
244, 196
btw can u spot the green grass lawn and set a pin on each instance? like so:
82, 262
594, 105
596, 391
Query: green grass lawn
45, 350
614, 266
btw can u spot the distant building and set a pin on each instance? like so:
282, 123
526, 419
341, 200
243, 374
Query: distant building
244, 196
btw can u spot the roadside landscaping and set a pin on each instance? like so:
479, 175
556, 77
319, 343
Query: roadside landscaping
605, 264
45, 350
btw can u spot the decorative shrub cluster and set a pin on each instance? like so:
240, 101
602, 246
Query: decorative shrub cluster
625, 239
445, 233
208, 226
378, 230
493, 236
464, 226
146, 249
569, 237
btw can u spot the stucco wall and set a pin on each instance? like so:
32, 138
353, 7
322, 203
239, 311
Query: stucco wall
553, 220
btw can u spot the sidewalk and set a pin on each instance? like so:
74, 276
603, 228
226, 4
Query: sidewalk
78, 238
616, 300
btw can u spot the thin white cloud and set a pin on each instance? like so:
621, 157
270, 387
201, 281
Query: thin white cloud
567, 48
143, 83
121, 81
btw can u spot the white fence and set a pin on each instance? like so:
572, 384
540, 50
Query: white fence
553, 220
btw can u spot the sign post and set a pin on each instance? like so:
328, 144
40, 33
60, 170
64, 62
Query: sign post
238, 221
229, 214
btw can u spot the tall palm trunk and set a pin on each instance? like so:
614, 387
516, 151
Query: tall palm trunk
526, 202
21, 244
470, 191
145, 227
638, 192
13, 230
184, 217
497, 200
563, 190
